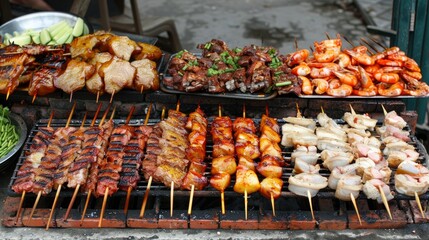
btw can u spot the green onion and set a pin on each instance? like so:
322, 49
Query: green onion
282, 84
208, 45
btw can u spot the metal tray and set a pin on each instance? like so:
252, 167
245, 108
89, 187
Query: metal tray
234, 95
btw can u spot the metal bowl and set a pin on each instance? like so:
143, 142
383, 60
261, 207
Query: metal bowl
21, 129
38, 21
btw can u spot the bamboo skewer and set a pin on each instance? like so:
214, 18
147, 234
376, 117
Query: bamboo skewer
20, 206
127, 200
76, 190
39, 193
222, 193
419, 204
111, 97
311, 205
356, 208
386, 204
88, 196
71, 96
106, 192
245, 204
103, 207
172, 183
171, 198
34, 98
59, 186
273, 206
98, 97
8, 93
191, 198
149, 183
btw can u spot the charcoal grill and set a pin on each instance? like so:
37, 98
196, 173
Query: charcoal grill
292, 211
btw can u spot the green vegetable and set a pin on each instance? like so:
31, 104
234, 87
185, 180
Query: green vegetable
8, 135
78, 28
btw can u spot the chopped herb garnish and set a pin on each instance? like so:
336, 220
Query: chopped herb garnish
237, 50
208, 45
179, 54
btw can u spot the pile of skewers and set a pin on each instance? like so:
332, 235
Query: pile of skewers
102, 62
360, 71
101, 160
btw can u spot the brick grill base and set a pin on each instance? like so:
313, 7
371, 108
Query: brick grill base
328, 216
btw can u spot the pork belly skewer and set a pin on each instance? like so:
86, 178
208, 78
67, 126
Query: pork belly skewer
223, 163
132, 160
272, 161
196, 153
26, 173
99, 141
149, 162
43, 181
109, 174
61, 178
247, 149
78, 171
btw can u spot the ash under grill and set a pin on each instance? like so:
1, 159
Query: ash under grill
292, 211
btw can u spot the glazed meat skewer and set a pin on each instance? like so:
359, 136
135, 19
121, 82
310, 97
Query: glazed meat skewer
100, 139
60, 179
26, 172
223, 162
134, 152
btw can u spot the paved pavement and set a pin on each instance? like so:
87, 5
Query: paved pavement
266, 22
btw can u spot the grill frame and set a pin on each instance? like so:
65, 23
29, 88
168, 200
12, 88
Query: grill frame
158, 189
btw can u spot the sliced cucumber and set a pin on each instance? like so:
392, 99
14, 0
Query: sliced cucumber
85, 29
64, 37
58, 29
45, 37
63, 32
36, 39
70, 39
21, 40
51, 43
78, 28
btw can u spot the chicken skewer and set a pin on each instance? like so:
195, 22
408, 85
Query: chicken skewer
247, 149
195, 153
90, 185
223, 162
77, 187
149, 183
32, 163
127, 199
272, 161
60, 185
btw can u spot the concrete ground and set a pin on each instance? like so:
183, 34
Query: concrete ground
240, 22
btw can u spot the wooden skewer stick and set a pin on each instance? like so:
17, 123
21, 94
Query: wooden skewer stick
322, 110
103, 207
384, 110
368, 44
88, 196
34, 98
298, 112
39, 194
71, 96
419, 204
111, 97
311, 204
53, 207
171, 198
349, 41
106, 193
191, 198
8, 93
149, 183
356, 208
377, 42
20, 206
352, 110
245, 204
98, 97
327, 36
59, 186
127, 200
76, 190
146, 195
386, 204
141, 89
222, 201
273, 206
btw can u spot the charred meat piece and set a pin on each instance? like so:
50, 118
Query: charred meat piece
74, 76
